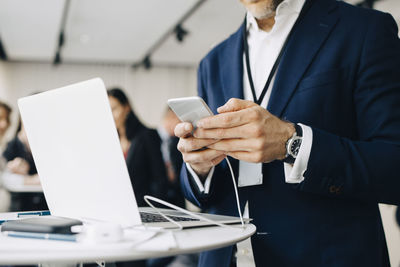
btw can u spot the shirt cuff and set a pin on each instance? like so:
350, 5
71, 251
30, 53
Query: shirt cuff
294, 174
203, 188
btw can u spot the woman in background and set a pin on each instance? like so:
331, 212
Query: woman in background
141, 148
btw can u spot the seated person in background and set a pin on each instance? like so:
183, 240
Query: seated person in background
141, 148
5, 113
21, 169
171, 156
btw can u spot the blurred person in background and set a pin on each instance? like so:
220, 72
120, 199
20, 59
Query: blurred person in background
21, 169
5, 122
141, 148
171, 156
5, 113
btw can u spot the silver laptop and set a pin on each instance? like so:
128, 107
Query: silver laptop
80, 163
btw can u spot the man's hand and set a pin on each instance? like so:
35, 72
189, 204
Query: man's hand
246, 131
194, 150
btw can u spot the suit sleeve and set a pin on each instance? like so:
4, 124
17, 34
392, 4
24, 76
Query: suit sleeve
367, 168
221, 173
189, 187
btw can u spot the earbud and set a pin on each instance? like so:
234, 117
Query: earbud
102, 233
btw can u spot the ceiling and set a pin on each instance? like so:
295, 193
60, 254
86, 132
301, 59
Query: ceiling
122, 31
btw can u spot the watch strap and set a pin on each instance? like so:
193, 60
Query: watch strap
298, 133
299, 130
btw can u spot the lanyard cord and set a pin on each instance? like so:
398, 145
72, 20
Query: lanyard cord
249, 76
276, 64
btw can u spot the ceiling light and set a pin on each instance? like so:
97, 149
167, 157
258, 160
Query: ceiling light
146, 62
180, 33
57, 59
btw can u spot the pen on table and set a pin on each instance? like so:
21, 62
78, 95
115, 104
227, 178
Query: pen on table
10, 216
33, 213
46, 236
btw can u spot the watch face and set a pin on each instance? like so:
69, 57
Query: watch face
295, 147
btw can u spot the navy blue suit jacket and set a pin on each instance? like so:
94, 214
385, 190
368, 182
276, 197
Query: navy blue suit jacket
340, 75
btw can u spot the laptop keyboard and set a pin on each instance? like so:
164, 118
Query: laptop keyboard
155, 217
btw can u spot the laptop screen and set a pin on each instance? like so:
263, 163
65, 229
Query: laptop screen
77, 153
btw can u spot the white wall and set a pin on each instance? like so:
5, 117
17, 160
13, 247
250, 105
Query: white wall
147, 90
3, 82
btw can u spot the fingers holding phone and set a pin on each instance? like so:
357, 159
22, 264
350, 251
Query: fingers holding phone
202, 161
183, 129
194, 150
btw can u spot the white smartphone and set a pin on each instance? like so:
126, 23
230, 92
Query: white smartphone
190, 109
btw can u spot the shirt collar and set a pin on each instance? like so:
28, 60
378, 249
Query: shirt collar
285, 7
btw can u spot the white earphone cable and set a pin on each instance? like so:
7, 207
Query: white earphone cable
197, 216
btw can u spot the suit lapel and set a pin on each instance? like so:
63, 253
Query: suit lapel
306, 40
231, 63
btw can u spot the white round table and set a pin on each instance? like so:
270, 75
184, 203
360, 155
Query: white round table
14, 251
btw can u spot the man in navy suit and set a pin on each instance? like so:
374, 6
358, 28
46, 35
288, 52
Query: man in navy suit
307, 97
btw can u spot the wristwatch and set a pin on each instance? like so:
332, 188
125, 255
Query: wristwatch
293, 145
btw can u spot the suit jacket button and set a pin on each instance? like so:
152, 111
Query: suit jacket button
335, 189
338, 190
332, 189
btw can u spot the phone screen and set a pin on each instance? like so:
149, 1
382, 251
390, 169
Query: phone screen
190, 109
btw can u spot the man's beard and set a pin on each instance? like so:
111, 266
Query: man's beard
264, 10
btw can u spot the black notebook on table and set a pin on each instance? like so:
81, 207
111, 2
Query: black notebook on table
45, 224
